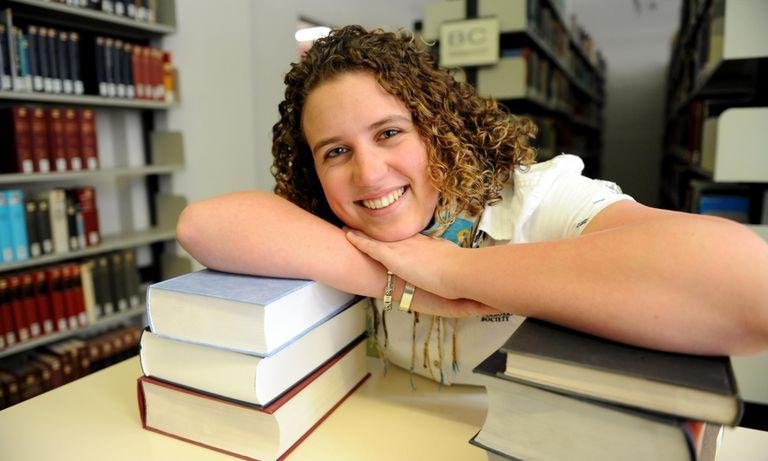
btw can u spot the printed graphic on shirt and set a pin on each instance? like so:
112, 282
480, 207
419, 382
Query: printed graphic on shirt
496, 318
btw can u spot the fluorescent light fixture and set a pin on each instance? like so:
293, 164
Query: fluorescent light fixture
309, 34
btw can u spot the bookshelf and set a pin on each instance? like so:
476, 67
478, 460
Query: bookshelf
717, 111
136, 160
549, 70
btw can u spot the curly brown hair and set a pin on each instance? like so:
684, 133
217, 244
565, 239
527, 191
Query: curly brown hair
473, 143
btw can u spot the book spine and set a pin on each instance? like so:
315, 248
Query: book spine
145, 71
64, 63
104, 297
88, 141
53, 64
138, 82
74, 63
101, 69
72, 139
89, 293
7, 330
117, 281
44, 225
78, 295
72, 230
132, 282
6, 244
109, 67
43, 302
10, 43
23, 50
70, 305
127, 68
5, 72
44, 60
56, 293
30, 309
57, 203
22, 161
21, 326
34, 58
33, 234
18, 220
86, 197
39, 141
57, 147
117, 67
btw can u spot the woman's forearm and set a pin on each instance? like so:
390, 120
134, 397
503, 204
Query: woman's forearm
675, 283
260, 233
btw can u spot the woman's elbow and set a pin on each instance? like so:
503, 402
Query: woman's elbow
189, 227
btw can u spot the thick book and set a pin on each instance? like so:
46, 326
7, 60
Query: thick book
250, 432
6, 244
86, 198
250, 378
696, 387
40, 145
33, 235
57, 147
529, 422
72, 139
257, 315
89, 149
16, 148
17, 218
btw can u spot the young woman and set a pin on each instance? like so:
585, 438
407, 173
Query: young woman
384, 163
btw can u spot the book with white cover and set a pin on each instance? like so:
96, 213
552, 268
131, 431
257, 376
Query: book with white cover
245, 313
246, 377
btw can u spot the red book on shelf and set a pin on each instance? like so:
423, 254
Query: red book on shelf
158, 88
56, 295
138, 82
7, 329
43, 302
76, 287
144, 69
56, 145
20, 323
86, 196
27, 294
39, 128
89, 149
70, 303
16, 145
72, 139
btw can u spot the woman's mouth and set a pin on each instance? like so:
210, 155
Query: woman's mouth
385, 201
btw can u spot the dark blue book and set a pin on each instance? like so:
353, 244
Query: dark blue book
257, 315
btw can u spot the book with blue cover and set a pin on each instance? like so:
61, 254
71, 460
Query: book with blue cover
245, 313
17, 219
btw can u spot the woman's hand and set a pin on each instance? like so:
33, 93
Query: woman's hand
419, 260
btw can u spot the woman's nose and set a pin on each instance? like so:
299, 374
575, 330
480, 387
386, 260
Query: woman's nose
370, 167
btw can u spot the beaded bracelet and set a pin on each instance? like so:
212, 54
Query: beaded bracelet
388, 290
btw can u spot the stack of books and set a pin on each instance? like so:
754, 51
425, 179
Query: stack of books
248, 365
554, 393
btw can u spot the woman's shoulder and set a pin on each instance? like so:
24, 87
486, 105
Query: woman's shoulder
563, 163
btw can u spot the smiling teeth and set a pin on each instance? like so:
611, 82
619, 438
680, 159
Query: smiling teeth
384, 201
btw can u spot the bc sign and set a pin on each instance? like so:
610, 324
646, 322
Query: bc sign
471, 42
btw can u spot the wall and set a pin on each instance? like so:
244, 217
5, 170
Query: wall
636, 45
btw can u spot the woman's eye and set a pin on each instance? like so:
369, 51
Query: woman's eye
336, 151
389, 133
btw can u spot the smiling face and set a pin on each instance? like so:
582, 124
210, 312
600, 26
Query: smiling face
369, 157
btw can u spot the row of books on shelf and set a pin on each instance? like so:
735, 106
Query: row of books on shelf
56, 221
244, 353
36, 58
48, 367
545, 24
139, 10
706, 49
43, 140
554, 393
738, 202
66, 297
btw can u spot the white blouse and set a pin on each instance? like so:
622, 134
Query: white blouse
546, 201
